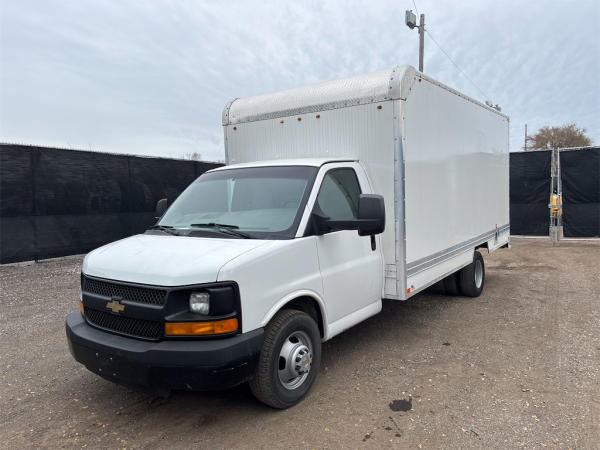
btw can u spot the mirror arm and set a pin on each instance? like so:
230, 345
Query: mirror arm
353, 224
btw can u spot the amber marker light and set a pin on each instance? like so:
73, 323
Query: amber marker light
201, 328
81, 308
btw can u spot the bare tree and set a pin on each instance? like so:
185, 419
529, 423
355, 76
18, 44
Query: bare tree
193, 156
565, 136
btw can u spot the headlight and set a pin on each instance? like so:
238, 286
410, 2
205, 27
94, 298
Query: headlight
200, 303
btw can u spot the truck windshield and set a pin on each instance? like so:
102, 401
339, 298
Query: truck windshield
260, 202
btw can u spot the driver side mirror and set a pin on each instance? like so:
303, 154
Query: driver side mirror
161, 207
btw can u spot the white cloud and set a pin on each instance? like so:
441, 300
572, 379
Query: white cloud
153, 77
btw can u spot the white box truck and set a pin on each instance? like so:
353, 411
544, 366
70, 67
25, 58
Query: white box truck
335, 196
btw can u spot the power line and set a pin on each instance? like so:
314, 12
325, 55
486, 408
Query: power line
456, 65
416, 9
447, 55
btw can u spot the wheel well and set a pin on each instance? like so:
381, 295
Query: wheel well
310, 306
484, 247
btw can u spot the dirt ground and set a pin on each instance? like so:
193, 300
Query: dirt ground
516, 367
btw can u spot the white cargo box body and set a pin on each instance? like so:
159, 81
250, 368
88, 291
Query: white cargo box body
439, 158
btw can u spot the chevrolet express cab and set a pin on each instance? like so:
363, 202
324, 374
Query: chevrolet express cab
336, 196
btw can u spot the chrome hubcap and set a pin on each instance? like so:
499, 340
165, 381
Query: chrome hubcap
478, 274
295, 360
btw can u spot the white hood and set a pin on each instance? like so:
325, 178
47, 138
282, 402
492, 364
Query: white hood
165, 260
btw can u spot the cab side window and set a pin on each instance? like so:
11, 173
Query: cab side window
339, 194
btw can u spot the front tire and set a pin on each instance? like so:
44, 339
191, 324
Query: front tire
472, 277
289, 359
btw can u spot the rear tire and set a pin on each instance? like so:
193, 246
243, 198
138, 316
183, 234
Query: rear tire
289, 359
472, 277
451, 285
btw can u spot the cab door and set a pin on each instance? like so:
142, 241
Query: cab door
351, 266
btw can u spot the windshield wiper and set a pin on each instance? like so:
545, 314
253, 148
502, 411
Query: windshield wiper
224, 228
166, 228
213, 224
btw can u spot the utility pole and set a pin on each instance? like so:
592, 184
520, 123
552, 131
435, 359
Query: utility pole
411, 22
421, 41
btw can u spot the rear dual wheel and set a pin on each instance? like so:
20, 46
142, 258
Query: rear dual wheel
289, 359
472, 277
468, 281
451, 284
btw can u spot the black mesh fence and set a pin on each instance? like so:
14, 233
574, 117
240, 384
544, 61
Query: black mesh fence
56, 202
580, 177
530, 193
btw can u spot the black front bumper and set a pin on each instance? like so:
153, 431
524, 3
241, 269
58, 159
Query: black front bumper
165, 365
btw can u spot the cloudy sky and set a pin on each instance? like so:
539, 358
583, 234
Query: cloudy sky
152, 77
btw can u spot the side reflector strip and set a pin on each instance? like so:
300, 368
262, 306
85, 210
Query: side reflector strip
200, 328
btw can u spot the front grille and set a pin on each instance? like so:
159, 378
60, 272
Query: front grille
136, 294
146, 329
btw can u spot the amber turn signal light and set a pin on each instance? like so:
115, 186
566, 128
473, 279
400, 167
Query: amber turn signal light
81, 308
200, 328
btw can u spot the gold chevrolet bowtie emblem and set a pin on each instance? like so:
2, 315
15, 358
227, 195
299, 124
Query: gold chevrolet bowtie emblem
115, 306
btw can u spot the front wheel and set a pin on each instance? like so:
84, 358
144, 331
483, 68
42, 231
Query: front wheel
472, 277
289, 359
